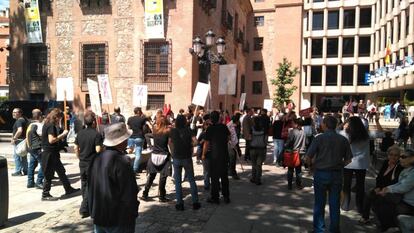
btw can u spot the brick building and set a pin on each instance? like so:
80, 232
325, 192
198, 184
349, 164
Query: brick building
88, 37
4, 53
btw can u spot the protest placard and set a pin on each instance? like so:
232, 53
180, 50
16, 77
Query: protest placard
227, 79
242, 101
105, 88
268, 104
64, 86
140, 96
94, 97
200, 94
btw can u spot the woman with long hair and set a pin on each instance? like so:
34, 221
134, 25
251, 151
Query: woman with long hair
358, 138
50, 155
160, 159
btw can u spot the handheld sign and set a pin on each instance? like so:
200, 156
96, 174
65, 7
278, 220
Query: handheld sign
268, 104
227, 79
242, 101
200, 94
94, 97
105, 88
64, 86
305, 112
140, 95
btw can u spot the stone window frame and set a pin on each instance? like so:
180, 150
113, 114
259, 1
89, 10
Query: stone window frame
28, 63
258, 43
82, 78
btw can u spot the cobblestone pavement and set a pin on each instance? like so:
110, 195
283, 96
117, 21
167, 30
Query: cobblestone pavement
266, 208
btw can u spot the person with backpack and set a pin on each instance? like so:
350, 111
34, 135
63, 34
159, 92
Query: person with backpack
34, 145
257, 149
117, 117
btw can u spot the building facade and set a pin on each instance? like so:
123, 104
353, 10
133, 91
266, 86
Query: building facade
82, 39
4, 52
345, 42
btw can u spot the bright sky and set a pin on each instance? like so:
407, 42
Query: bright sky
4, 3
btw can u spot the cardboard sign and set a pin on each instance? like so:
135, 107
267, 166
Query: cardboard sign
140, 96
94, 97
305, 112
200, 94
242, 101
227, 79
105, 88
64, 86
154, 19
268, 104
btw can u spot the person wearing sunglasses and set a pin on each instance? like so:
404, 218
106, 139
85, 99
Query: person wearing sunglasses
397, 199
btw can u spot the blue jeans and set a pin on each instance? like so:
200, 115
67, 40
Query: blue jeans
117, 229
278, 145
137, 144
20, 162
187, 164
33, 162
330, 182
387, 116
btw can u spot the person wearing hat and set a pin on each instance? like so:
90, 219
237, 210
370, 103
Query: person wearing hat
112, 190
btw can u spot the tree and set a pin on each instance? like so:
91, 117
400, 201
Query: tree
283, 83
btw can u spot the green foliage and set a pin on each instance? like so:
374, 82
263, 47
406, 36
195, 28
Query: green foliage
283, 82
3, 98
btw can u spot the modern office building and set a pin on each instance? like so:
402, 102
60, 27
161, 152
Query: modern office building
344, 40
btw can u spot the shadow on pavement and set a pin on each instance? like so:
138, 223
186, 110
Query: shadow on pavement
22, 219
78, 227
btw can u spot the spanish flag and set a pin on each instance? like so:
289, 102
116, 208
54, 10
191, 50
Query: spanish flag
388, 52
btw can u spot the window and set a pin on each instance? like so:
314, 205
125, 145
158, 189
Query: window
257, 65
229, 21
258, 43
347, 75
317, 22
318, 0
94, 62
348, 47
157, 62
365, 18
349, 18
331, 75
316, 75
224, 13
362, 70
37, 62
333, 19
364, 46
317, 45
259, 0
259, 21
236, 26
257, 87
155, 102
332, 47
407, 22
243, 84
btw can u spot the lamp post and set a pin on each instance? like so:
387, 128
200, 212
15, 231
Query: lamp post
206, 57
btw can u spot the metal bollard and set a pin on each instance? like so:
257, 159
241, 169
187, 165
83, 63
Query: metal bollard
4, 191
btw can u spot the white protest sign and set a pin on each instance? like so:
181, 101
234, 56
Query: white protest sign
64, 85
242, 101
140, 95
227, 79
94, 97
268, 104
200, 94
105, 88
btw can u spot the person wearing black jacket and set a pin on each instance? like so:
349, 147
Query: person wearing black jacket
112, 190
278, 142
34, 144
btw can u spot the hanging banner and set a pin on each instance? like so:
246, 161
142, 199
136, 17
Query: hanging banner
242, 101
64, 85
227, 79
154, 19
200, 94
140, 96
94, 97
268, 104
105, 88
32, 20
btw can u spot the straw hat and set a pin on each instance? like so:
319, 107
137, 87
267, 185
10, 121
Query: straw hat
116, 133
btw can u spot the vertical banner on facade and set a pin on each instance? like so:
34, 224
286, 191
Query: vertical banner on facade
64, 86
94, 97
227, 79
154, 19
140, 96
268, 104
242, 101
200, 94
105, 88
32, 18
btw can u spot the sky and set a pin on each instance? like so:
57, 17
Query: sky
4, 3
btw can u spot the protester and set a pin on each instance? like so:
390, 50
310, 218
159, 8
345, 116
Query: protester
278, 142
345, 112
181, 139
50, 155
297, 143
403, 132
395, 109
232, 145
206, 162
388, 175
257, 149
34, 144
247, 125
359, 139
112, 189
327, 154
160, 159
88, 144
411, 132
217, 137
136, 141
117, 117
19, 134
387, 112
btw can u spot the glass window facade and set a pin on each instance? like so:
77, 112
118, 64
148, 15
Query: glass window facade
349, 18
316, 75
332, 47
348, 47
333, 19
317, 22
347, 75
317, 45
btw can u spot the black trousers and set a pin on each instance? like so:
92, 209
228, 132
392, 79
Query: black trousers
218, 175
53, 164
360, 188
387, 211
369, 200
247, 151
161, 185
84, 208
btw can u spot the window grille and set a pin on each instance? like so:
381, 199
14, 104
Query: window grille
36, 60
155, 102
94, 61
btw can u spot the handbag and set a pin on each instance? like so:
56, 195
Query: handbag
21, 148
158, 159
291, 158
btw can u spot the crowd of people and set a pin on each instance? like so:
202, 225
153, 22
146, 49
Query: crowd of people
334, 148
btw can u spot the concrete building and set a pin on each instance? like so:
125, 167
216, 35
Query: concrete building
4, 52
345, 40
82, 39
